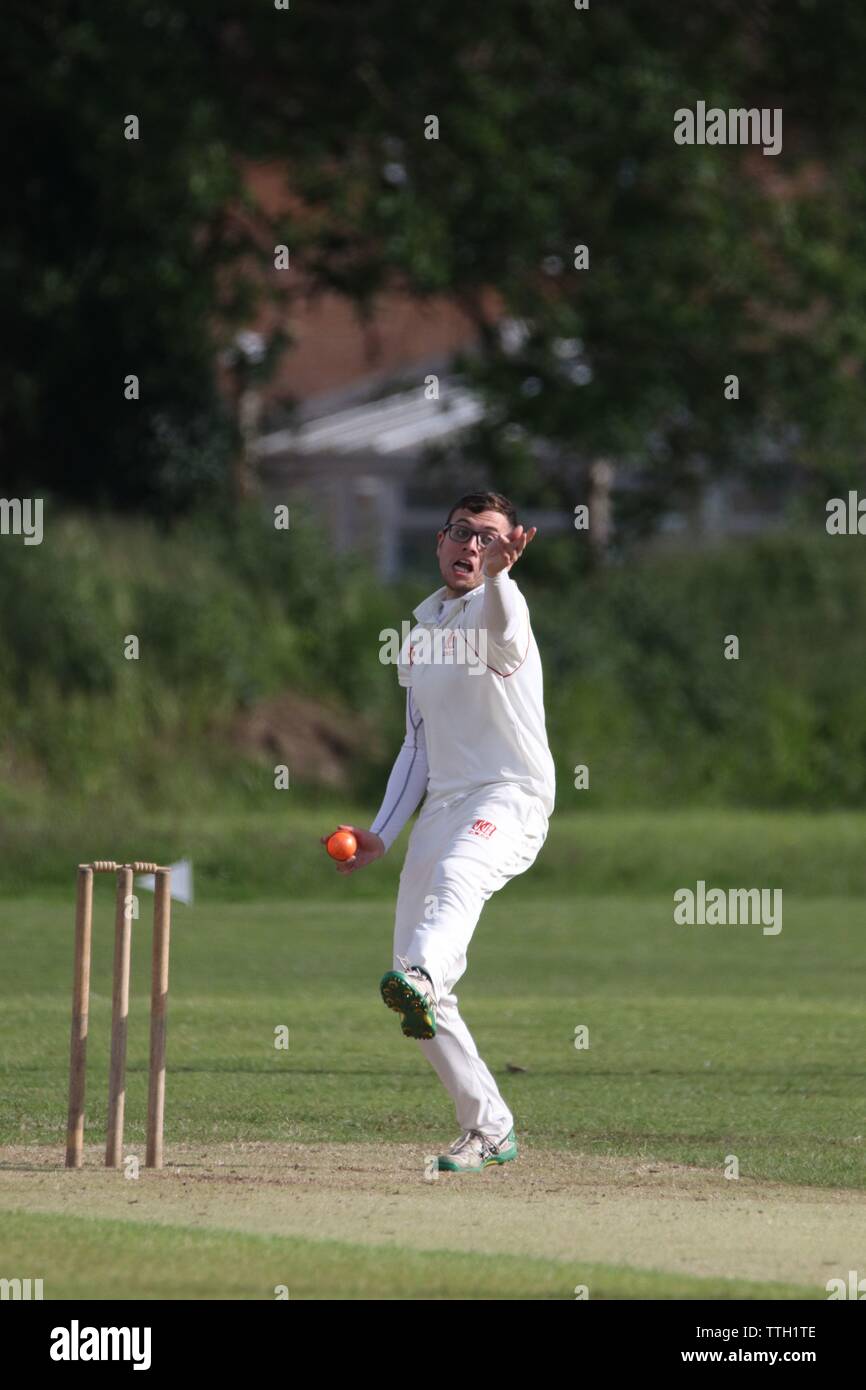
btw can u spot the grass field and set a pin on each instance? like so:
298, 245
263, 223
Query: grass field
305, 1167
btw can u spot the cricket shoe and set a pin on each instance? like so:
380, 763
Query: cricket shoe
409, 992
473, 1152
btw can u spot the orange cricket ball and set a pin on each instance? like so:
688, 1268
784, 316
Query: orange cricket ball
342, 844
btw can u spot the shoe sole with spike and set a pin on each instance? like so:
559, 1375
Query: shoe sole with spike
401, 995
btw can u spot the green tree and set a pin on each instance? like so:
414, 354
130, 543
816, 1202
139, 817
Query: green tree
555, 129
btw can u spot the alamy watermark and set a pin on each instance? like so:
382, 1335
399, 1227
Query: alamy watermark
855, 1287
22, 516
436, 646
846, 516
77, 1343
714, 907
737, 126
21, 1289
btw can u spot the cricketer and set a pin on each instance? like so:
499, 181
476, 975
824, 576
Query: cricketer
476, 752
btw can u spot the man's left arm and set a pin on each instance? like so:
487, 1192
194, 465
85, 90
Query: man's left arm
505, 614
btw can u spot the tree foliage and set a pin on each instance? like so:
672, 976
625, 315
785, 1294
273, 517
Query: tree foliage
555, 129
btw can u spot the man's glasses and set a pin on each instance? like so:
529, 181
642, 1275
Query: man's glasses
459, 531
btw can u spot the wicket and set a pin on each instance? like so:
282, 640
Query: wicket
119, 1011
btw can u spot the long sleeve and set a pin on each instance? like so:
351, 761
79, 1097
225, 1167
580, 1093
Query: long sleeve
407, 783
505, 618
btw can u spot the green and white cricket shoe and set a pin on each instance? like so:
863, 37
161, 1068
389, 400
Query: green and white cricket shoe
473, 1152
409, 992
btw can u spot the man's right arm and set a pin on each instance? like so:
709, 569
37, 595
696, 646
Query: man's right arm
407, 784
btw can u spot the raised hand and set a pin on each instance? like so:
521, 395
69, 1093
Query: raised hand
502, 553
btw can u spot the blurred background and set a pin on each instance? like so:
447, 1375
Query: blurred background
339, 259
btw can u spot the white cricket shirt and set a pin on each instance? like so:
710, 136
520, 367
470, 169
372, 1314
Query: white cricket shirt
475, 707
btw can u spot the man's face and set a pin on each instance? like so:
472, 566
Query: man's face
460, 561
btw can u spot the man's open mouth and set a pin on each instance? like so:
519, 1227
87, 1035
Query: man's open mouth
462, 567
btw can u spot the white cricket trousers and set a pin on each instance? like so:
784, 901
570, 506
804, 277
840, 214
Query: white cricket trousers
461, 850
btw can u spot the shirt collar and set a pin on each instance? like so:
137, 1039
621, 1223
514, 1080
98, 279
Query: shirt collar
428, 611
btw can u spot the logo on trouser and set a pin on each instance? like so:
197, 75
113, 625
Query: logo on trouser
484, 828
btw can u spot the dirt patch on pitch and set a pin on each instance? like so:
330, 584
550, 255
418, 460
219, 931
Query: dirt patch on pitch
571, 1207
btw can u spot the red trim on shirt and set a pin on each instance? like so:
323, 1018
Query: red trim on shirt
504, 674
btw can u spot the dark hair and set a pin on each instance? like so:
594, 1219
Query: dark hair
485, 502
